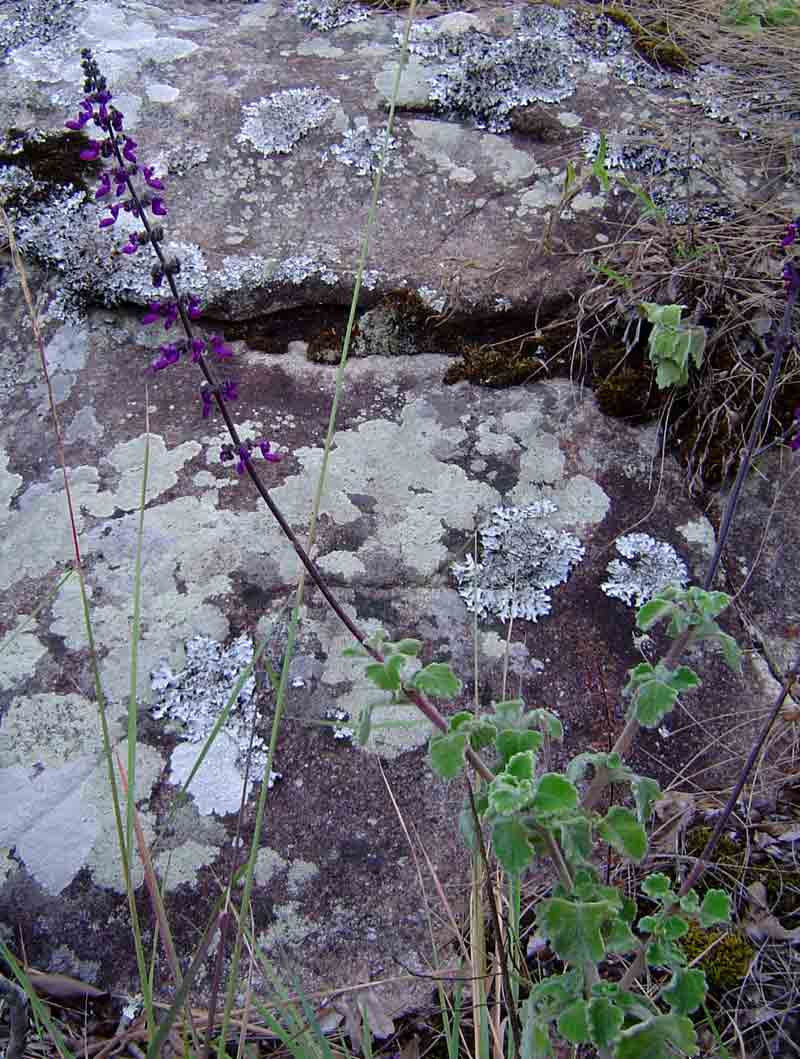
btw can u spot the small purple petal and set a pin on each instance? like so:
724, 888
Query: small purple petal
91, 152
116, 121
158, 207
129, 150
170, 315
230, 390
193, 308
150, 180
131, 246
273, 457
153, 313
218, 346
103, 187
198, 348
207, 399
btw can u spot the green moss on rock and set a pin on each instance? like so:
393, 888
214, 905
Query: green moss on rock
727, 963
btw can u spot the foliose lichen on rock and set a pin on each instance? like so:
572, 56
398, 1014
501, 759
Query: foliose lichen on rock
522, 558
326, 15
275, 124
651, 566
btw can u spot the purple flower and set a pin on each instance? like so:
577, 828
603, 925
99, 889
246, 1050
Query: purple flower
108, 221
789, 235
150, 180
791, 277
198, 347
170, 315
230, 390
244, 456
158, 207
92, 151
132, 245
79, 122
273, 457
193, 308
208, 400
153, 313
104, 187
129, 150
170, 354
216, 344
116, 120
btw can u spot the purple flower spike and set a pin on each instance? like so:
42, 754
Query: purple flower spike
92, 152
230, 390
104, 186
208, 400
158, 207
198, 348
273, 457
150, 180
218, 346
116, 121
153, 313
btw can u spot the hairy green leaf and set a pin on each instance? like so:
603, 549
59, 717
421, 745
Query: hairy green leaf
658, 886
574, 929
652, 612
511, 845
408, 647
605, 1021
573, 1023
649, 1039
554, 795
508, 795
645, 792
622, 830
716, 908
653, 702
513, 741
447, 754
686, 990
437, 679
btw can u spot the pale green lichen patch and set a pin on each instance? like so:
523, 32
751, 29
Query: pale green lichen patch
699, 531
289, 929
55, 806
269, 864
453, 148
181, 865
20, 651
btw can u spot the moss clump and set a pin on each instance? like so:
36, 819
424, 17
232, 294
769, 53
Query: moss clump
325, 347
535, 122
53, 160
727, 963
664, 52
497, 368
627, 395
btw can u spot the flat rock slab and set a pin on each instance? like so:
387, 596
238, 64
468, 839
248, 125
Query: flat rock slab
417, 467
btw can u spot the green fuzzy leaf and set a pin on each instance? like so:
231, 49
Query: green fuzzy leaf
408, 647
386, 676
663, 953
511, 845
686, 991
620, 938
509, 795
649, 923
639, 675
513, 741
508, 713
716, 908
653, 611
670, 374
555, 795
522, 766
674, 927
576, 838
645, 792
605, 1021
462, 719
653, 702
550, 996
574, 929
447, 754
548, 723
649, 1039
731, 652
658, 886
437, 679
683, 678
622, 830
690, 903
573, 1023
